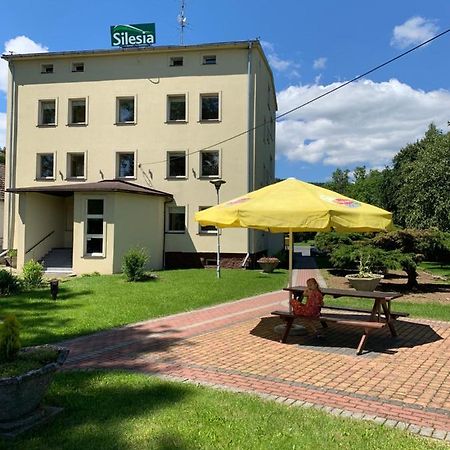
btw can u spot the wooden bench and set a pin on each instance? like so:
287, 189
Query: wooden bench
358, 321
394, 315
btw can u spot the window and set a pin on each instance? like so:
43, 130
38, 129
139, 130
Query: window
206, 229
78, 67
75, 165
46, 166
95, 228
209, 106
176, 219
176, 61
176, 106
125, 110
77, 112
176, 164
47, 112
47, 68
209, 163
125, 165
209, 59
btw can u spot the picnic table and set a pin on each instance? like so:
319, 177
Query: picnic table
379, 316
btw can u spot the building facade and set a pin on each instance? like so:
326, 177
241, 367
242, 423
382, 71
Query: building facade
112, 149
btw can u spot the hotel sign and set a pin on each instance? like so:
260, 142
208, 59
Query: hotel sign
133, 35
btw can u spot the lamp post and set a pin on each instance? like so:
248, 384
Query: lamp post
217, 184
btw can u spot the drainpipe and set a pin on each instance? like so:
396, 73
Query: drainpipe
250, 152
11, 157
170, 200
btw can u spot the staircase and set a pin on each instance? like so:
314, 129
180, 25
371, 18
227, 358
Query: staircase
58, 260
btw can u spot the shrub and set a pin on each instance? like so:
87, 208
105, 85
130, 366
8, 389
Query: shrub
33, 272
327, 242
133, 264
9, 284
433, 244
9, 338
376, 260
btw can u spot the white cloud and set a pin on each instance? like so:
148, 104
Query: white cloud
364, 123
320, 63
19, 44
278, 64
414, 31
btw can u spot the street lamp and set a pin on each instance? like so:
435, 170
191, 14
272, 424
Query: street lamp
217, 184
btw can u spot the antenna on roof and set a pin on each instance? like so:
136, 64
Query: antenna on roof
182, 21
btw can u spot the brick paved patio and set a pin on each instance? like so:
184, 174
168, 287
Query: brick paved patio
403, 382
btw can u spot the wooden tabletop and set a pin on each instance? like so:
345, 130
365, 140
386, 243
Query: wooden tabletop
349, 293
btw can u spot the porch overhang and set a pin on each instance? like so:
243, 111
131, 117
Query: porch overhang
104, 186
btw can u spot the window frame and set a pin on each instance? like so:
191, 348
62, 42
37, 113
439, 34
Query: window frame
70, 112
219, 168
39, 176
77, 64
126, 97
219, 107
168, 212
206, 230
170, 153
69, 175
41, 112
118, 155
173, 59
46, 66
94, 235
206, 58
186, 109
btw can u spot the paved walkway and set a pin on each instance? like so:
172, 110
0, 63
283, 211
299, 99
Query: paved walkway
403, 382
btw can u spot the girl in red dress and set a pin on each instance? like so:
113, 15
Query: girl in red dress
314, 301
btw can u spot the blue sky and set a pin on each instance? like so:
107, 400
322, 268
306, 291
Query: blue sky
312, 47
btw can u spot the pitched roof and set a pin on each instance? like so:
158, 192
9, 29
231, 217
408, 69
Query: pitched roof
100, 186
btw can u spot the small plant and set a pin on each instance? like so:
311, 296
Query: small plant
364, 267
33, 272
11, 257
9, 284
133, 264
9, 338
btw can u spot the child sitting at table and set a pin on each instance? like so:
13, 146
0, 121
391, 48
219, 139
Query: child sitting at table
314, 300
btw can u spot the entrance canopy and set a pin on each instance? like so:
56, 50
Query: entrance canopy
65, 190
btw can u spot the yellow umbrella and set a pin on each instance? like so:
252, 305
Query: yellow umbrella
293, 205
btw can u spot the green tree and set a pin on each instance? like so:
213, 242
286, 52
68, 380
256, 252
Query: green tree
339, 182
2, 155
368, 186
422, 182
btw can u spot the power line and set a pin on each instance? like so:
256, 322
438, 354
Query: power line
243, 133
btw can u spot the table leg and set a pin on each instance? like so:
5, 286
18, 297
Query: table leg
375, 310
289, 321
389, 319
362, 342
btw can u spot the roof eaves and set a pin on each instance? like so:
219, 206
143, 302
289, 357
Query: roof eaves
125, 50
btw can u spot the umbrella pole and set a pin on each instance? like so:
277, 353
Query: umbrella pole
291, 251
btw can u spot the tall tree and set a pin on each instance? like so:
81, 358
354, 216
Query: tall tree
423, 199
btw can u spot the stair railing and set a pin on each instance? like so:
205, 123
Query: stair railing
40, 242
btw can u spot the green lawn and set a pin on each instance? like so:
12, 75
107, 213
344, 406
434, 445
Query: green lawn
89, 304
128, 411
435, 268
431, 310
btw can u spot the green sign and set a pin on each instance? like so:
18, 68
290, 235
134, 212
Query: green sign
133, 35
